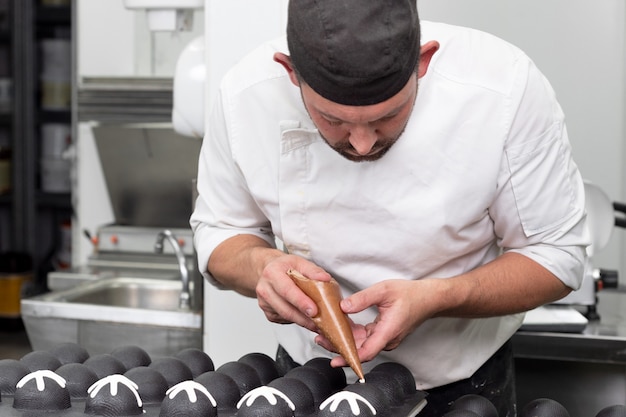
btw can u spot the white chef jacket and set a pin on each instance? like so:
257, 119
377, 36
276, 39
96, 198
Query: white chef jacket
484, 166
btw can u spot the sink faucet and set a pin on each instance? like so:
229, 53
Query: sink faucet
185, 295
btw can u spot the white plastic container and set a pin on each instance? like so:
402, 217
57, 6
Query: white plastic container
55, 140
56, 72
56, 92
56, 57
55, 175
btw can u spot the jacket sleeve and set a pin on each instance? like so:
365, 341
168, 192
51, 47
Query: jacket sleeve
540, 206
224, 208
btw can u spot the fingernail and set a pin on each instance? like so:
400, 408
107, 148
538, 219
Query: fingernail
309, 312
346, 304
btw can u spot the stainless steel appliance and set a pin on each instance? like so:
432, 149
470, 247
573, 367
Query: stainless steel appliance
113, 298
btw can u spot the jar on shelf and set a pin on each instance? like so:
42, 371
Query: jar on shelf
55, 74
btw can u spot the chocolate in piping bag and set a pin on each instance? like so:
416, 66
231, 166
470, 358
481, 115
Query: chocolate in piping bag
332, 322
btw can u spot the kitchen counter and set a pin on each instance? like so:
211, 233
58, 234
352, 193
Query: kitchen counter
584, 371
602, 341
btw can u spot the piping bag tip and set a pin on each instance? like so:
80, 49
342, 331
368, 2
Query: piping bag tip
332, 322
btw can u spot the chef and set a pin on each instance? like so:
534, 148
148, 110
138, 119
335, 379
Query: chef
425, 167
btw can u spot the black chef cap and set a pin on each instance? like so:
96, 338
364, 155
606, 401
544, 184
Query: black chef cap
354, 52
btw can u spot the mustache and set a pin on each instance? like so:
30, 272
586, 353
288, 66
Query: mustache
381, 147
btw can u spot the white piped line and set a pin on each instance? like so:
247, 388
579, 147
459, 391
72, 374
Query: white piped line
352, 398
114, 380
190, 387
269, 393
39, 376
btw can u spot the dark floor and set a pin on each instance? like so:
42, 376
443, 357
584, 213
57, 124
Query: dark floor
13, 344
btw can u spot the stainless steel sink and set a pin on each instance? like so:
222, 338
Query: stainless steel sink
106, 313
129, 292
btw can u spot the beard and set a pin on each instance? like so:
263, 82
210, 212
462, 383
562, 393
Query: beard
381, 147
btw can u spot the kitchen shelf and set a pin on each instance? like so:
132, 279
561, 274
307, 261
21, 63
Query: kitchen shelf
33, 215
55, 116
54, 200
53, 15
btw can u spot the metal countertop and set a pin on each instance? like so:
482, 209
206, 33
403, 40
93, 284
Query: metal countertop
602, 341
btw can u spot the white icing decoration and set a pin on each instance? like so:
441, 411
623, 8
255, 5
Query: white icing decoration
190, 387
114, 380
39, 376
352, 398
270, 395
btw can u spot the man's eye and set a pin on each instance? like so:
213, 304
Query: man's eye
387, 118
334, 122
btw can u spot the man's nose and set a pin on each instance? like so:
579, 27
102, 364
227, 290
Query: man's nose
363, 139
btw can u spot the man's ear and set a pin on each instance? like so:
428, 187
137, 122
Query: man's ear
426, 54
285, 61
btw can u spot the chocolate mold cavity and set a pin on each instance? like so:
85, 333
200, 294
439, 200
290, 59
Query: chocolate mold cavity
104, 365
222, 387
151, 385
42, 391
173, 369
299, 394
69, 353
188, 399
245, 376
78, 379
40, 360
346, 404
264, 366
11, 371
265, 401
114, 396
131, 356
197, 361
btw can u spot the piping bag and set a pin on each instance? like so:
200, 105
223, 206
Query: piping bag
332, 322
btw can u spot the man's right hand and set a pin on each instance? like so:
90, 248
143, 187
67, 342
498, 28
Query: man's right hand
280, 298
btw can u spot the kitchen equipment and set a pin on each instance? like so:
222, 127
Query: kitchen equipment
126, 292
167, 15
148, 170
109, 312
189, 88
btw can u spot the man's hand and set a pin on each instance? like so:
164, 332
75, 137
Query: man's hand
399, 313
249, 265
510, 284
280, 298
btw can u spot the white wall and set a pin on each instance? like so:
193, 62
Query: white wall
234, 325
580, 47
115, 41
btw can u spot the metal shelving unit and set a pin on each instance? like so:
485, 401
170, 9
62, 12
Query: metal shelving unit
31, 210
